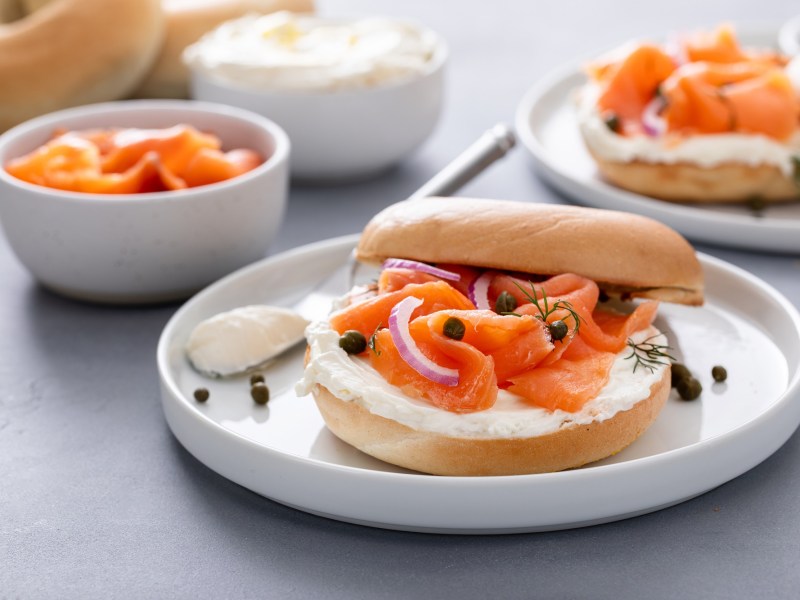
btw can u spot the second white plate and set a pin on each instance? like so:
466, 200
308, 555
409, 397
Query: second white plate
284, 451
548, 128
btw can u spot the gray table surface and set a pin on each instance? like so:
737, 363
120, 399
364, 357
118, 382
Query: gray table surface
98, 499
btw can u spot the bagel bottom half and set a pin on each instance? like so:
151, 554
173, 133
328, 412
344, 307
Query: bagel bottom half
687, 182
571, 446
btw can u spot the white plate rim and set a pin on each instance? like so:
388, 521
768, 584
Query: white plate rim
693, 222
177, 406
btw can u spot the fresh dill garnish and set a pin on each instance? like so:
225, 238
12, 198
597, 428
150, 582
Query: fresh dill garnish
648, 354
371, 342
546, 309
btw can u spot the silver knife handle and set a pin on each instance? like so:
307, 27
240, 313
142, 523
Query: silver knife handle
488, 148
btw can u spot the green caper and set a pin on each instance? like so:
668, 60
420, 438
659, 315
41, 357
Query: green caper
506, 303
756, 204
454, 328
612, 122
679, 372
719, 373
689, 388
353, 342
201, 394
558, 330
257, 378
260, 393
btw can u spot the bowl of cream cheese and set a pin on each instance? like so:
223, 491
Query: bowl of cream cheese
355, 96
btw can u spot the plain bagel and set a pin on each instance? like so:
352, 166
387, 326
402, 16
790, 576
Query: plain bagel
511, 437
627, 255
186, 22
72, 52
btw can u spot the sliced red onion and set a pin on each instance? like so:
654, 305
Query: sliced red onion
652, 121
479, 291
399, 319
402, 263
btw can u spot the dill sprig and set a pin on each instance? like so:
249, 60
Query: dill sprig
648, 354
546, 309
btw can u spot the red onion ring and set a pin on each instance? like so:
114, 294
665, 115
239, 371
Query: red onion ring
653, 123
479, 291
402, 263
399, 319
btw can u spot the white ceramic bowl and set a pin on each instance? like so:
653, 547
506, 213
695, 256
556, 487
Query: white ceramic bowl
152, 247
343, 134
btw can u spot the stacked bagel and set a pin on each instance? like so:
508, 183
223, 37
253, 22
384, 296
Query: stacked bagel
60, 53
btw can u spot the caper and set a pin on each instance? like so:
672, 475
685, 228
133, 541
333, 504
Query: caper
558, 330
201, 394
679, 372
506, 303
689, 388
353, 342
719, 373
257, 378
756, 204
612, 122
454, 328
260, 393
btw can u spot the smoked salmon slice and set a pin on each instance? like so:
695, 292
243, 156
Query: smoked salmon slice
570, 382
477, 384
514, 350
713, 86
127, 161
371, 314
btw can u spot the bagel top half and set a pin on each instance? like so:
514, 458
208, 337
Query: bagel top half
628, 255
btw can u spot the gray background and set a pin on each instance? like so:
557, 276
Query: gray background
97, 499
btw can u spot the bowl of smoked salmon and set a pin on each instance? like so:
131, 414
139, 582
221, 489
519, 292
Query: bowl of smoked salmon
141, 201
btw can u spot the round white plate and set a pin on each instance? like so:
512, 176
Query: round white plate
548, 128
284, 452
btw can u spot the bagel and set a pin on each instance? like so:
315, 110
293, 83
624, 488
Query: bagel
387, 413
697, 120
72, 52
627, 255
186, 22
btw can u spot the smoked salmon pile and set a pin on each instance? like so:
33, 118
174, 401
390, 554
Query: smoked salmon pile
130, 161
546, 341
703, 84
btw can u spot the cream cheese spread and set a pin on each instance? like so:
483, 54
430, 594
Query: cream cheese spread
707, 150
354, 380
291, 52
233, 342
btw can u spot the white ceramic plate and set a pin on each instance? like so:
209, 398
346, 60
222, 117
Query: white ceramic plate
548, 128
284, 452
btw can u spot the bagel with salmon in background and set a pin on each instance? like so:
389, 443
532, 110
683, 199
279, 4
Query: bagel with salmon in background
501, 337
697, 119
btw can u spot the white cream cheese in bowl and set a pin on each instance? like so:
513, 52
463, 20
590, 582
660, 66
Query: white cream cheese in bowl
355, 96
284, 51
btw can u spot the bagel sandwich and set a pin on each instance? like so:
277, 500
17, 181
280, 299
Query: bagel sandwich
501, 337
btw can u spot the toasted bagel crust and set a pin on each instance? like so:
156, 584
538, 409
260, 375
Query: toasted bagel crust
686, 182
571, 446
625, 254
74, 52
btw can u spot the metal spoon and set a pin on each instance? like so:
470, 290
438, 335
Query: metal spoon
488, 148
